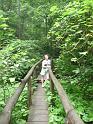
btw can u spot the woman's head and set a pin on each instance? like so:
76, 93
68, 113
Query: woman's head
46, 56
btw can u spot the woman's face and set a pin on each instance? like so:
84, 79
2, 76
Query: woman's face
46, 57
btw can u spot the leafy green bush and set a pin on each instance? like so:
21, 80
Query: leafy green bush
82, 106
71, 37
72, 33
6, 33
15, 60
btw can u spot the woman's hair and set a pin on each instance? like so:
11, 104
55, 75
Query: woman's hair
45, 55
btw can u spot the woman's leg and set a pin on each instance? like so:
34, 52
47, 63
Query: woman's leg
42, 80
47, 76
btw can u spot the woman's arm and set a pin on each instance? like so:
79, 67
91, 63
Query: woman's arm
44, 65
49, 63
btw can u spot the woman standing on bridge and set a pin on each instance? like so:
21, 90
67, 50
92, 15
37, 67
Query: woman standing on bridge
46, 63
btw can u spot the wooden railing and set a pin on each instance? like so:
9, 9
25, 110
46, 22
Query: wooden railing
71, 116
6, 114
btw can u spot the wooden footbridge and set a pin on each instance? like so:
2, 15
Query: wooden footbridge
38, 108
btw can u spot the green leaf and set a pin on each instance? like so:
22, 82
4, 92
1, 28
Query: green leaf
73, 59
12, 80
53, 8
83, 53
76, 71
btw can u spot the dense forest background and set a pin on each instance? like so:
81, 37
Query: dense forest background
61, 28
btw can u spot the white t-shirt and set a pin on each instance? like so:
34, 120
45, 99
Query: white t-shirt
45, 65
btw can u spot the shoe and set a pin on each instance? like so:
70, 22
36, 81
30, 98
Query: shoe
42, 85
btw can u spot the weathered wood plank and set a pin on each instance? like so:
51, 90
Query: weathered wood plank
38, 113
29, 92
42, 112
37, 122
38, 118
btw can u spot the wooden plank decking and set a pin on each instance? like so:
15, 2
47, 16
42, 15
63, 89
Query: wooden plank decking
38, 113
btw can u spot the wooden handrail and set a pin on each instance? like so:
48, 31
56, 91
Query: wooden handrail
72, 117
6, 114
26, 78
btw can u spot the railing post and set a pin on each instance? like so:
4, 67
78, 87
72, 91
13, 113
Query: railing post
29, 93
35, 73
67, 121
52, 91
51, 86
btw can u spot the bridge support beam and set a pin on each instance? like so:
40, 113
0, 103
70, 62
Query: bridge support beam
29, 92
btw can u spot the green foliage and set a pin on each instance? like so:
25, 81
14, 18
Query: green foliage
72, 36
6, 33
82, 106
5, 92
16, 59
72, 32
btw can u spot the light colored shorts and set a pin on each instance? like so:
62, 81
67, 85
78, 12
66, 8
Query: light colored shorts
45, 74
